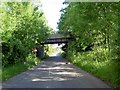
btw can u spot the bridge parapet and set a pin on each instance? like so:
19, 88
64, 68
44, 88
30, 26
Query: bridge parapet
57, 40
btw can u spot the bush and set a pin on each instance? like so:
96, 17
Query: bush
11, 70
21, 26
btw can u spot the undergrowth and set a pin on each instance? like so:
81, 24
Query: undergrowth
98, 62
12, 70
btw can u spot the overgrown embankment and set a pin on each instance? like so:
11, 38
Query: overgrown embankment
97, 63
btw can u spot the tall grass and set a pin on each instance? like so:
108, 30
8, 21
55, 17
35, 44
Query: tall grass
13, 70
99, 63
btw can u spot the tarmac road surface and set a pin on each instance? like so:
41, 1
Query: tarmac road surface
54, 72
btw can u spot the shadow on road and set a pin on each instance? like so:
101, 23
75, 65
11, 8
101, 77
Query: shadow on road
53, 72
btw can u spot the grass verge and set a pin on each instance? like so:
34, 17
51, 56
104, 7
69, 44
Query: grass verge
99, 64
13, 70
106, 71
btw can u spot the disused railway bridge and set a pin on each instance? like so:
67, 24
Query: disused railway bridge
54, 39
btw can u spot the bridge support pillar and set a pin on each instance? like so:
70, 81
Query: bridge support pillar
42, 54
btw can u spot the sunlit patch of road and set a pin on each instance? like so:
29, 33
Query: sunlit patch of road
53, 72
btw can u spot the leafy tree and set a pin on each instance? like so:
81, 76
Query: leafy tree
92, 24
21, 26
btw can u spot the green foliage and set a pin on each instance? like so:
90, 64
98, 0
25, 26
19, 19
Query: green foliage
51, 49
80, 19
21, 26
99, 64
32, 59
95, 29
15, 69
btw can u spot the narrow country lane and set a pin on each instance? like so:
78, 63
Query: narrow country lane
54, 72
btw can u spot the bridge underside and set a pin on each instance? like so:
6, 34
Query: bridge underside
54, 42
